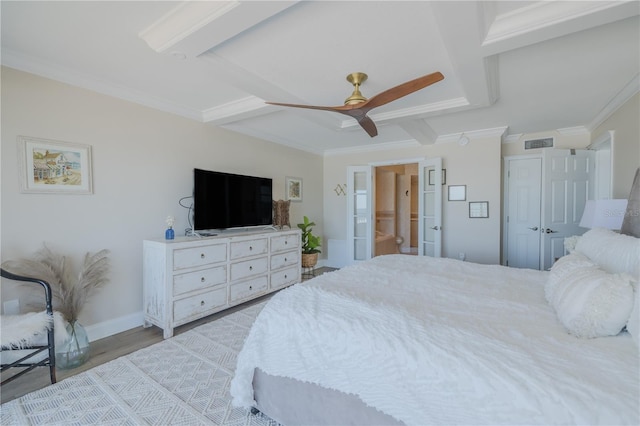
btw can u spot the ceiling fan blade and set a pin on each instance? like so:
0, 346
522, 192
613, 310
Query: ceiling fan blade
369, 126
401, 90
324, 108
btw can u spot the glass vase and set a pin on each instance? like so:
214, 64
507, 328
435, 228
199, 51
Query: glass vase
169, 234
75, 351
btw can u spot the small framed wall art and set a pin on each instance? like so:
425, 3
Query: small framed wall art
457, 192
48, 166
293, 188
432, 177
478, 209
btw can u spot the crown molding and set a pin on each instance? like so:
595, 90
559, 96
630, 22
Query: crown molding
420, 110
627, 92
495, 132
387, 146
574, 131
235, 110
55, 72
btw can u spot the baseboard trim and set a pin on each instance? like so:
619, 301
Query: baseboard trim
117, 325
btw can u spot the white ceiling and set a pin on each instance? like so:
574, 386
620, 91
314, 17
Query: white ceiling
526, 66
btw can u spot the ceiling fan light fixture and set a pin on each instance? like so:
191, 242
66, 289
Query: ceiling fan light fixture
356, 78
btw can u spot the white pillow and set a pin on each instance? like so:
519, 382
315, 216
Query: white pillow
588, 301
613, 252
570, 243
633, 325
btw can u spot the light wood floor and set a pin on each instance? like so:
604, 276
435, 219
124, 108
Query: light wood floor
110, 348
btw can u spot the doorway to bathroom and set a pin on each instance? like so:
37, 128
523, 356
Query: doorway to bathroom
364, 208
396, 209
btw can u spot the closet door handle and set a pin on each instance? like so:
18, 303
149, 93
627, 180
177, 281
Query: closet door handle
535, 228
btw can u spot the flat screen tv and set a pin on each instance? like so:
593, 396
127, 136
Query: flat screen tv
225, 200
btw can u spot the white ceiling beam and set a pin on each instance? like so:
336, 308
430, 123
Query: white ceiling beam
477, 74
260, 90
420, 131
195, 27
546, 20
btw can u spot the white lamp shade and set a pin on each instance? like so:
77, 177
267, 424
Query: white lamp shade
603, 214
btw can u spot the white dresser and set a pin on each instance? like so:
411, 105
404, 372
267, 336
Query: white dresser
188, 278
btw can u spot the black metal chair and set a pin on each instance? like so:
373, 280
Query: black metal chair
29, 356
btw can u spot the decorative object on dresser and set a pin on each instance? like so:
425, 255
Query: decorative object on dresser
170, 234
70, 294
310, 244
189, 278
281, 213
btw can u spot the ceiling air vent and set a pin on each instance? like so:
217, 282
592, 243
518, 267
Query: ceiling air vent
538, 143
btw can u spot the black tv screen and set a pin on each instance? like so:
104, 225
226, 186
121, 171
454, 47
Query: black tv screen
225, 200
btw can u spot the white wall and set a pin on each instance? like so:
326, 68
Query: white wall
626, 145
477, 165
143, 162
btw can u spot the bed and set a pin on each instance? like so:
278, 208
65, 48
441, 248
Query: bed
385, 244
416, 340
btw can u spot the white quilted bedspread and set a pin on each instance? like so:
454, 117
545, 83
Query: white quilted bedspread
439, 341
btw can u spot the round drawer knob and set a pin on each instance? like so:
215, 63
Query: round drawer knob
202, 303
251, 268
286, 242
250, 248
285, 276
201, 255
250, 287
202, 279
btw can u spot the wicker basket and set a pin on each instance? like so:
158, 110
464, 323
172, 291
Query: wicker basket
309, 260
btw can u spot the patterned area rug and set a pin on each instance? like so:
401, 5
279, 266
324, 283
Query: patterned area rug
180, 381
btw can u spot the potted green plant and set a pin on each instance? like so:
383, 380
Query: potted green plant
310, 244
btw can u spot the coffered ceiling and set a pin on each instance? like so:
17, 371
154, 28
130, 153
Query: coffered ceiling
526, 66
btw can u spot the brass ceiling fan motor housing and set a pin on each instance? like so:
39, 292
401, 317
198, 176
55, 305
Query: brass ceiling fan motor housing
356, 78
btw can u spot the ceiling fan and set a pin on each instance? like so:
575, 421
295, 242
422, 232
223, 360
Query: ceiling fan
357, 106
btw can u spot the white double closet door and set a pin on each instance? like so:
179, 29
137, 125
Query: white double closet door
544, 200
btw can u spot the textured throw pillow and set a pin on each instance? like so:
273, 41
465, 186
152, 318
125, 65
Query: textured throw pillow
613, 252
562, 270
588, 301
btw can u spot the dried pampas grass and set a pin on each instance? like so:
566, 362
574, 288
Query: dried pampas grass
70, 293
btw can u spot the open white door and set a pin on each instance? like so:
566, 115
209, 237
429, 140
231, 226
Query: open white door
359, 212
568, 184
430, 207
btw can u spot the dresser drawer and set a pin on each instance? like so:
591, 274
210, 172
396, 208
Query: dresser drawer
247, 289
248, 268
248, 248
196, 306
285, 242
285, 277
199, 256
284, 259
190, 281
